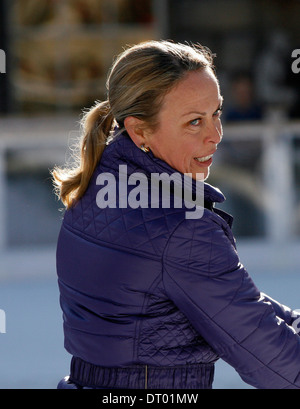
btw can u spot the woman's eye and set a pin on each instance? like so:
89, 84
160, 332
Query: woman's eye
218, 112
195, 122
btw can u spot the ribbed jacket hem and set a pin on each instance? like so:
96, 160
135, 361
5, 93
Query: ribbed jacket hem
194, 376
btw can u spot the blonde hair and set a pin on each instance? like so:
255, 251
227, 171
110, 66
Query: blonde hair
137, 82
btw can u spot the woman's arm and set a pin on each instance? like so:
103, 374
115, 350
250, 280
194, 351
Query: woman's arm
204, 278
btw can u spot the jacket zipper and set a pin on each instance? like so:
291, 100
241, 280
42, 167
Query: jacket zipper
146, 377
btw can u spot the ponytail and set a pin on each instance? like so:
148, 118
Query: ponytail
71, 184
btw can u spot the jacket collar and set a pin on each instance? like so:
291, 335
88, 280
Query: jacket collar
122, 147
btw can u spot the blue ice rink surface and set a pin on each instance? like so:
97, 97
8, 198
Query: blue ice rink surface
32, 355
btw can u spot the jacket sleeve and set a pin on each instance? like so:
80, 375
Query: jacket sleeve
205, 279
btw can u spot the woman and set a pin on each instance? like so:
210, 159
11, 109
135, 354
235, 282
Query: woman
151, 294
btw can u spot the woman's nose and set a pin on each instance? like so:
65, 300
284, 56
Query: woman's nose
214, 133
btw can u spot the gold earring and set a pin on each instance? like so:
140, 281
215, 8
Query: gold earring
144, 148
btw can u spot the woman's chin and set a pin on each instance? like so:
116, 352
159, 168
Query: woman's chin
201, 177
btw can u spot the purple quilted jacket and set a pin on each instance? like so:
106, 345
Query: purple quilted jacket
151, 298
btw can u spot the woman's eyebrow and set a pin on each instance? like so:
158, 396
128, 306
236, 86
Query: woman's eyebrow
204, 113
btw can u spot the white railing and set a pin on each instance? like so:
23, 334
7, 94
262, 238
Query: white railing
46, 140
276, 194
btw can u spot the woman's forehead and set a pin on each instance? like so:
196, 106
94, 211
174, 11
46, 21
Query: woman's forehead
195, 91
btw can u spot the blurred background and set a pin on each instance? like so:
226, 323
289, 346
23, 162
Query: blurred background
57, 56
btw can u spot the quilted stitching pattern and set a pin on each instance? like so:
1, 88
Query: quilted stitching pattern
172, 341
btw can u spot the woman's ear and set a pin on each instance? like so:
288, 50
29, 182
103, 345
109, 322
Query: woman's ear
136, 129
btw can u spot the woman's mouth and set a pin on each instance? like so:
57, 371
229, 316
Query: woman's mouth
205, 160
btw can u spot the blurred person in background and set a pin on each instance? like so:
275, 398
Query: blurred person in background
150, 297
271, 75
244, 105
